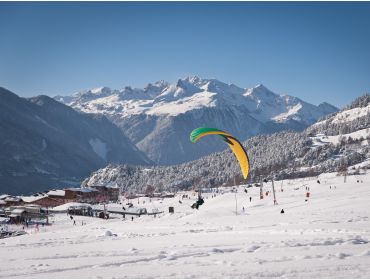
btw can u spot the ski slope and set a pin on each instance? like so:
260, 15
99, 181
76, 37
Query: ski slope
327, 236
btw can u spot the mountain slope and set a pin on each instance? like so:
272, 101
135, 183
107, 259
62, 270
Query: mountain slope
354, 117
159, 118
284, 154
46, 143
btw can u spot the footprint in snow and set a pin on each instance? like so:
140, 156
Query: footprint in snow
252, 248
216, 250
365, 254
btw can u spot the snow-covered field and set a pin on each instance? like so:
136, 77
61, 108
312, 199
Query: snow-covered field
325, 237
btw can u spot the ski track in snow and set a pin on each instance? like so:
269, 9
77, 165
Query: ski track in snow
326, 237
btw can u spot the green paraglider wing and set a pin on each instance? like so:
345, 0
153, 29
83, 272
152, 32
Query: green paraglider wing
233, 143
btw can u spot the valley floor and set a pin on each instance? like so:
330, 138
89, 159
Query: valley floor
327, 236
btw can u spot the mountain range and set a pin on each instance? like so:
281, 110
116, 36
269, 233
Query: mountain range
338, 143
159, 118
46, 144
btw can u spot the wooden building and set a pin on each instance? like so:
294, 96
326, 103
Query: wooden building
12, 201
107, 193
42, 200
59, 195
88, 195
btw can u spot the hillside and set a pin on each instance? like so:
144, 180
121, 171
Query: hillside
284, 154
46, 144
159, 117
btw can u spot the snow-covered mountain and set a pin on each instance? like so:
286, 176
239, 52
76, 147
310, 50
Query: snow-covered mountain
284, 154
354, 117
159, 118
45, 144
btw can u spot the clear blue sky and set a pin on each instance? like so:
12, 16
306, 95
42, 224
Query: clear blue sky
315, 51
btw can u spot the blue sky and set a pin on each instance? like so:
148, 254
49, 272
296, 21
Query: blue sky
318, 51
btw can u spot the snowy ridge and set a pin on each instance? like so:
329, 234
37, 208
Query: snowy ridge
159, 118
191, 93
352, 114
352, 118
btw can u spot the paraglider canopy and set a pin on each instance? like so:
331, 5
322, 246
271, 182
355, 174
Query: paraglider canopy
233, 143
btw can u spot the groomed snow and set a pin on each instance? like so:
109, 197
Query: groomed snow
325, 237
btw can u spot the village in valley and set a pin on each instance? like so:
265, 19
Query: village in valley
35, 210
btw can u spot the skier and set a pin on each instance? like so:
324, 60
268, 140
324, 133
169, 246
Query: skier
132, 218
282, 211
250, 199
74, 222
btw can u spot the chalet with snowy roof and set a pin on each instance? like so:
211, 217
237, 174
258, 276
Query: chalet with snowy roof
59, 195
41, 200
9, 200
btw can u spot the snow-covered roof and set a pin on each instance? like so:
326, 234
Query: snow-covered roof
57, 192
3, 196
12, 198
18, 211
32, 198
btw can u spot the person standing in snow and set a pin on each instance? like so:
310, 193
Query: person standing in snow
250, 199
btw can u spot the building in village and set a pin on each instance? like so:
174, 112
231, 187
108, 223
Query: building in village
26, 213
80, 209
59, 195
107, 193
9, 200
87, 195
41, 200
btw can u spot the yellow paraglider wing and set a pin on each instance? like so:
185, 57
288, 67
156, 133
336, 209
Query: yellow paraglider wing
233, 143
